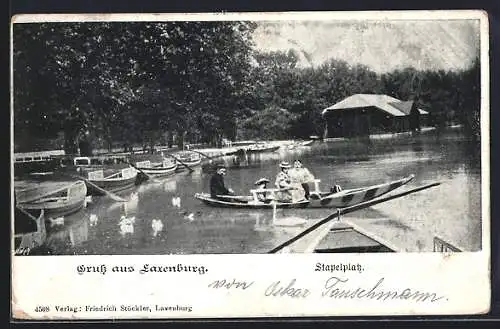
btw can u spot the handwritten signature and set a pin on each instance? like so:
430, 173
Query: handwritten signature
336, 288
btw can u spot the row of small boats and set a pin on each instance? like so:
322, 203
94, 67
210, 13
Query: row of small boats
49, 195
264, 147
56, 187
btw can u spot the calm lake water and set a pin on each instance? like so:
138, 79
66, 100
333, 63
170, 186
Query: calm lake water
450, 210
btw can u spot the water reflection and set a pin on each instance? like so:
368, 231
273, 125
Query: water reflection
274, 221
262, 223
79, 233
130, 207
163, 217
170, 186
55, 221
72, 234
127, 208
242, 160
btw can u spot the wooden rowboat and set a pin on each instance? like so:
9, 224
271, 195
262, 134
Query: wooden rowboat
342, 199
333, 235
350, 197
190, 159
261, 148
55, 198
248, 202
29, 230
164, 168
118, 181
341, 237
306, 143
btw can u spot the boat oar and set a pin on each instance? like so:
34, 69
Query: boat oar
98, 188
182, 163
149, 177
41, 196
27, 213
203, 154
343, 211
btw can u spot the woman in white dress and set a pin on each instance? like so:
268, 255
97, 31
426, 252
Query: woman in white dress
300, 179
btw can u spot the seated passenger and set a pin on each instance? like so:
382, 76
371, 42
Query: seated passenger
217, 186
261, 185
283, 181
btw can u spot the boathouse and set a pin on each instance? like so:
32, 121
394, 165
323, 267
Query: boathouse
367, 114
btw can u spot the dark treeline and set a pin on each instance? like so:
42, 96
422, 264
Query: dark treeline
119, 84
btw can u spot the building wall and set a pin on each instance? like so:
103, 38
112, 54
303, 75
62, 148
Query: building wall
359, 122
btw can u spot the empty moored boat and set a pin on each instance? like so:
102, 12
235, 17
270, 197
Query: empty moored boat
262, 147
55, 198
164, 168
190, 159
116, 182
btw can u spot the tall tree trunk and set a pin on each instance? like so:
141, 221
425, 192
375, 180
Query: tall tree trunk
170, 139
180, 139
70, 138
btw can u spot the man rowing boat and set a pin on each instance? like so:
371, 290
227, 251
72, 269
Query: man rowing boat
217, 186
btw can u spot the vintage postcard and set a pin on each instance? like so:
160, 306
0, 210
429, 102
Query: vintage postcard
169, 166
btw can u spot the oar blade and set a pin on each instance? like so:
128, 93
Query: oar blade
98, 188
179, 161
148, 177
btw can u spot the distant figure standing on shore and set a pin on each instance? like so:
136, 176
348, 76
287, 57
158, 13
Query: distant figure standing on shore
415, 117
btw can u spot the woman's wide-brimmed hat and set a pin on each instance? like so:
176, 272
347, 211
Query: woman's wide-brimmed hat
285, 164
262, 181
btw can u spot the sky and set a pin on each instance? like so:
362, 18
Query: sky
381, 45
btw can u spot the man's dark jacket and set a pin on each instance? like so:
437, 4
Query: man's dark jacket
217, 186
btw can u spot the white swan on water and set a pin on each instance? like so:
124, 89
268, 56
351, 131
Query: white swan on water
93, 219
157, 226
189, 217
126, 225
176, 202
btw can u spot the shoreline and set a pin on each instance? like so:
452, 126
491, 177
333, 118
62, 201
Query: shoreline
447, 133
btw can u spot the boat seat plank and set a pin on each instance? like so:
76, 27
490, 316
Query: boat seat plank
113, 175
143, 164
95, 175
41, 196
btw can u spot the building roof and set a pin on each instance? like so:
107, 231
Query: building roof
386, 103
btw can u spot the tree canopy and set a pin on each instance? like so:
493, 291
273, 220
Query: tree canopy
146, 82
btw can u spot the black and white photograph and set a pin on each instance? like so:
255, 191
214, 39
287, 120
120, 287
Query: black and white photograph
250, 164
241, 136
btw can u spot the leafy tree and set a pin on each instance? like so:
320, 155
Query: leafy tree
199, 81
117, 79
